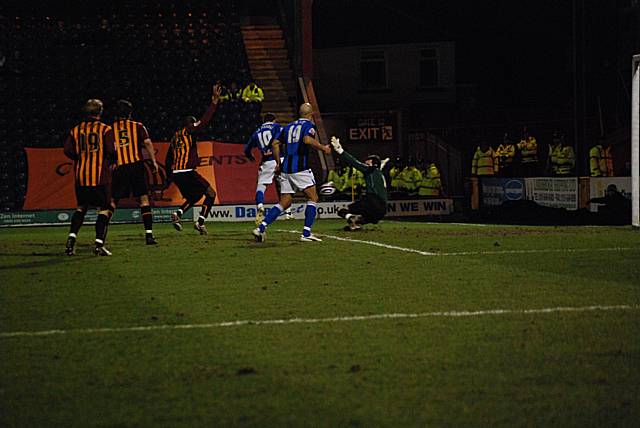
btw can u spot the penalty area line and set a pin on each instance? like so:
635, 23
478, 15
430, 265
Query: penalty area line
352, 318
464, 253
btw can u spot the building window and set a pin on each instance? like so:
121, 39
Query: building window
373, 70
428, 68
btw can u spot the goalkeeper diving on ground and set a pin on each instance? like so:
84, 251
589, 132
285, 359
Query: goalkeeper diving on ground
372, 207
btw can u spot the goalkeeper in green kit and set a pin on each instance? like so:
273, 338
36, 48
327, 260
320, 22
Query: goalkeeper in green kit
373, 205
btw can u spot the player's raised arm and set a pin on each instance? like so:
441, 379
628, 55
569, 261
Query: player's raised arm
208, 114
350, 160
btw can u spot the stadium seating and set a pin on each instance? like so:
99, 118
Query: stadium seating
163, 56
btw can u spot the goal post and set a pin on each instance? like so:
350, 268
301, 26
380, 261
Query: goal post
635, 144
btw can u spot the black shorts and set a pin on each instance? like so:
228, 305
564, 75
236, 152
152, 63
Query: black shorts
191, 184
95, 196
129, 180
370, 207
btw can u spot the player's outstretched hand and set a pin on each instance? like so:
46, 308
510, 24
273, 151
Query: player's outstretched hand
335, 143
384, 163
217, 91
326, 150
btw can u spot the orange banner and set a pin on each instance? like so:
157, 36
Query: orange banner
51, 185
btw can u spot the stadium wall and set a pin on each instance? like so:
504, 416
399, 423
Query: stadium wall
225, 213
50, 182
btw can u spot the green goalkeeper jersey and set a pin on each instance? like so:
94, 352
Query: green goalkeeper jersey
373, 177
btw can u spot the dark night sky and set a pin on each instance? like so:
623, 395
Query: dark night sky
517, 52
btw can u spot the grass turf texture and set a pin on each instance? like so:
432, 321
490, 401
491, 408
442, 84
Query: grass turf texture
513, 369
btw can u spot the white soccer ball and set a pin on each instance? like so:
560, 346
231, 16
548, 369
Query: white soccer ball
327, 189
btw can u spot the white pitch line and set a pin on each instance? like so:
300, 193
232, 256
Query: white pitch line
437, 223
541, 251
238, 323
465, 253
376, 244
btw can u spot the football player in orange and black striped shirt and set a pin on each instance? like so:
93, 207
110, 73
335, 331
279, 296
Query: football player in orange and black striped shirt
182, 160
130, 177
90, 146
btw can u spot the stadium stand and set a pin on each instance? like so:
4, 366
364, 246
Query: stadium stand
163, 56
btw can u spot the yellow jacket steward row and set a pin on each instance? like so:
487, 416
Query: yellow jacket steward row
528, 149
484, 163
337, 179
597, 162
343, 181
254, 94
408, 178
505, 155
431, 184
563, 159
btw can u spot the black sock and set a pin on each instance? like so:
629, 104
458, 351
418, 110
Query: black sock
206, 207
101, 229
76, 222
184, 208
106, 227
147, 219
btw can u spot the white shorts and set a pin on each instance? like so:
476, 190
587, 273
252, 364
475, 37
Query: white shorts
297, 181
266, 172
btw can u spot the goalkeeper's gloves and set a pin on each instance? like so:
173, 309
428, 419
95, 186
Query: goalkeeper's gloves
383, 163
335, 143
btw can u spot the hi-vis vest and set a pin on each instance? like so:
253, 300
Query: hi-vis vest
431, 184
397, 181
229, 94
528, 149
252, 95
411, 176
505, 155
357, 177
553, 155
484, 163
563, 160
336, 178
597, 161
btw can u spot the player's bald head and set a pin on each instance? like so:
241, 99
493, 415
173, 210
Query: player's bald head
306, 110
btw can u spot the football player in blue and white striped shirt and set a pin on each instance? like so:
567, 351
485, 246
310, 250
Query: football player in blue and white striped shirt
262, 139
295, 175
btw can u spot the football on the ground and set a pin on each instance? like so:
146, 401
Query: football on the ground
327, 189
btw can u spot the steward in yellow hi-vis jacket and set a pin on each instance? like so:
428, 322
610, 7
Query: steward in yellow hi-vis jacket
528, 147
484, 162
597, 161
431, 184
563, 159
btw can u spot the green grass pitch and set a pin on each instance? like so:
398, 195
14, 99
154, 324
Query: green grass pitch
408, 324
